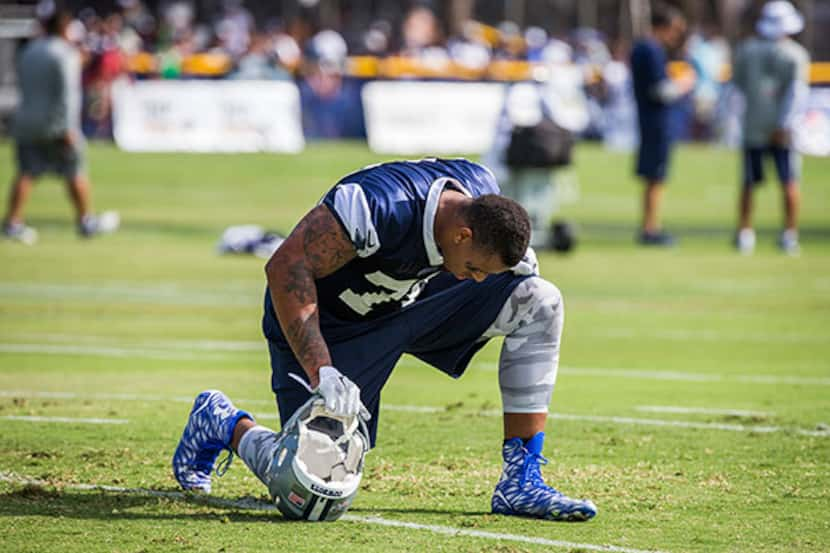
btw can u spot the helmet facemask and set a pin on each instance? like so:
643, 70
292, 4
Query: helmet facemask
318, 463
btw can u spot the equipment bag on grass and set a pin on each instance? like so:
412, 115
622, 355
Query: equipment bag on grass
544, 144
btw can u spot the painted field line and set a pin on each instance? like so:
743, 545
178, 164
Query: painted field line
25, 418
252, 504
206, 350
681, 335
764, 379
118, 397
146, 342
820, 433
679, 376
455, 532
186, 354
632, 421
131, 293
702, 411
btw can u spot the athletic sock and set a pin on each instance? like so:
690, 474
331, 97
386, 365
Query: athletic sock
535, 443
257, 448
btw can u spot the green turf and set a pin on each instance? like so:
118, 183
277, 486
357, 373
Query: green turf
153, 311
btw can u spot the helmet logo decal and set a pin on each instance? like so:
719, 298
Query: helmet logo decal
325, 491
296, 499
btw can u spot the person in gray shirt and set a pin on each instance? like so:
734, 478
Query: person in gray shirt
771, 72
47, 128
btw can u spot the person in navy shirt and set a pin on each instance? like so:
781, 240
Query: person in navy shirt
654, 93
420, 257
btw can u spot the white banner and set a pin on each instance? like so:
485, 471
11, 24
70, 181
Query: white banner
207, 116
414, 117
812, 128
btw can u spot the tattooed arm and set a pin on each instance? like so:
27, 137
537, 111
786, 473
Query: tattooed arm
316, 248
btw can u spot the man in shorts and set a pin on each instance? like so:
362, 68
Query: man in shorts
47, 128
771, 72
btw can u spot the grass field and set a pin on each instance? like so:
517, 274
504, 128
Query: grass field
692, 404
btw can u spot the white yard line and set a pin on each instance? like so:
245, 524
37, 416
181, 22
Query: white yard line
177, 294
147, 343
636, 374
118, 397
820, 433
453, 532
110, 351
196, 350
25, 418
67, 349
250, 504
702, 411
681, 335
772, 379
632, 421
244, 294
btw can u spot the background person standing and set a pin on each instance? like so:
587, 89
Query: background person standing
654, 93
771, 72
47, 127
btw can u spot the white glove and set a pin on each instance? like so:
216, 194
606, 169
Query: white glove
528, 266
342, 396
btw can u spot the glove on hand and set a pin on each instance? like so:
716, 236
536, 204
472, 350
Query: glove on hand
342, 396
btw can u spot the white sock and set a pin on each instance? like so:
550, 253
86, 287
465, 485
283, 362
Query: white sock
257, 448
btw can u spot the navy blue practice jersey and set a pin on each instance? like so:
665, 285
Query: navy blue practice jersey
388, 213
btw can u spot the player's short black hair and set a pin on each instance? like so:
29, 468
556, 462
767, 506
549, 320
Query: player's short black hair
663, 15
500, 226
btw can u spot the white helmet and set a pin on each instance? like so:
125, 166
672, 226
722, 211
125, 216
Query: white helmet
318, 463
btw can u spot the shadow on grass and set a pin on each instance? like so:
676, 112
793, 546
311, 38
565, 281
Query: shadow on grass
35, 500
32, 500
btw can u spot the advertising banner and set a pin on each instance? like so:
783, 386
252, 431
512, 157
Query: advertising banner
413, 117
207, 116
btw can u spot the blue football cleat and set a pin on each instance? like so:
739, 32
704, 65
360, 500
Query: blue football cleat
522, 492
209, 430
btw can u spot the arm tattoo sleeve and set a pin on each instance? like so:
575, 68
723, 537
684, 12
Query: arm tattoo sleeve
317, 247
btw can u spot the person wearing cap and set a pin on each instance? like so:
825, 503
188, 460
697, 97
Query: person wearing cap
47, 127
655, 93
770, 70
327, 95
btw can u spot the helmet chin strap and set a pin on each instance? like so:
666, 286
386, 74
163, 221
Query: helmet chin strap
300, 379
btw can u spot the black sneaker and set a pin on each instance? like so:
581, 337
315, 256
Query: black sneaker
660, 238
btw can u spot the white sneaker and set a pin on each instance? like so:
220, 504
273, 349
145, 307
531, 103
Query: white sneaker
745, 241
102, 223
20, 232
788, 242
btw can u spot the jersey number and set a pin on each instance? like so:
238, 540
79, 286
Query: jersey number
392, 290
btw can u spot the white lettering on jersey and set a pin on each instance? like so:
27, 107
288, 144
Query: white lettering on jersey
416, 290
397, 289
353, 209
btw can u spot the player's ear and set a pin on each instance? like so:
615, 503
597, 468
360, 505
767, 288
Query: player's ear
463, 234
